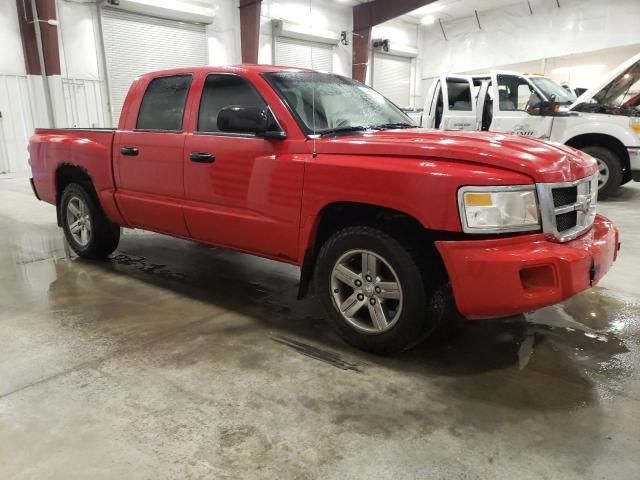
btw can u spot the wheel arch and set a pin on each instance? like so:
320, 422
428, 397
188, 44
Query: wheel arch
607, 141
67, 173
341, 214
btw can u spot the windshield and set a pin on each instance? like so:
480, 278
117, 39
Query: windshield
340, 104
550, 87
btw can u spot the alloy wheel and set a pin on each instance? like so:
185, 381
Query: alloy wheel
603, 173
366, 291
79, 221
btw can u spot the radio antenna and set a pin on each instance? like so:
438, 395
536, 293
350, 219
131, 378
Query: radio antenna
313, 87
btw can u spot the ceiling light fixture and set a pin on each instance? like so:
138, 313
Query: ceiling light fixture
428, 20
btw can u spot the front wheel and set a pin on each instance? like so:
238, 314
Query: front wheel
609, 169
373, 291
86, 228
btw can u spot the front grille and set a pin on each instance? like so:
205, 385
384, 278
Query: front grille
564, 196
565, 221
568, 209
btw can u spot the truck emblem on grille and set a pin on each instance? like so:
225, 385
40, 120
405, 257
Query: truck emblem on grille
583, 204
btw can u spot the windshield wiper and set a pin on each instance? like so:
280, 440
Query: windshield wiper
384, 126
334, 131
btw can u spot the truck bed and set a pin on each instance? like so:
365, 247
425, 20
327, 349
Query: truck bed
89, 148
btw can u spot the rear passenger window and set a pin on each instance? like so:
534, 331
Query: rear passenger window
225, 90
162, 106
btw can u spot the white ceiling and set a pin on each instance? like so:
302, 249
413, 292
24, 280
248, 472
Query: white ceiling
448, 9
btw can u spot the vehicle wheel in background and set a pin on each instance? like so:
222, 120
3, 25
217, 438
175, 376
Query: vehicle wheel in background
373, 291
609, 168
86, 228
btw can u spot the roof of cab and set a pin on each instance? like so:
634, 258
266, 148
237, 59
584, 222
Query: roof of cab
240, 68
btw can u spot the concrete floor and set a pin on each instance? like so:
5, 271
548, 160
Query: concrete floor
173, 360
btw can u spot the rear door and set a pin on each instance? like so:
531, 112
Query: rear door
148, 156
459, 106
516, 106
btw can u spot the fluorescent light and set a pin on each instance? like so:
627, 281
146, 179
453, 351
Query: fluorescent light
431, 8
428, 20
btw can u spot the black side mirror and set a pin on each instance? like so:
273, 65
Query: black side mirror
239, 119
549, 107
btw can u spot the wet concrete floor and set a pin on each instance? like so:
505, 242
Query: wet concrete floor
172, 360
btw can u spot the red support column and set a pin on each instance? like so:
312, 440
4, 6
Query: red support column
368, 15
250, 29
28, 35
51, 51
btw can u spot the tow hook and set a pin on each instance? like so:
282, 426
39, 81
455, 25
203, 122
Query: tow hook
593, 271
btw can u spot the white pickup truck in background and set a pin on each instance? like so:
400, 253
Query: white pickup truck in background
604, 121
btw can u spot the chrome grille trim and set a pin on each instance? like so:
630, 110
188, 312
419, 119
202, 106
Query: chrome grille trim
585, 206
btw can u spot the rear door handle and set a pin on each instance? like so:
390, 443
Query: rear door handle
202, 157
129, 151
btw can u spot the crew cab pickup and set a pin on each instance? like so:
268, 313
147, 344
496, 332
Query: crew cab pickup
398, 229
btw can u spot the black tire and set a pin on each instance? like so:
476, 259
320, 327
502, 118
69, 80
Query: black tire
104, 236
417, 317
613, 163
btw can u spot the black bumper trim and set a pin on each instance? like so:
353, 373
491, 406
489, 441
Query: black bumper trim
635, 174
33, 187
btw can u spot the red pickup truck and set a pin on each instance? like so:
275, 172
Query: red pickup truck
390, 223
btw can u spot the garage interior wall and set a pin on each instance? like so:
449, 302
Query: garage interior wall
79, 94
577, 27
18, 94
323, 15
160, 44
395, 74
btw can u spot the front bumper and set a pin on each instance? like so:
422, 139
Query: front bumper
502, 277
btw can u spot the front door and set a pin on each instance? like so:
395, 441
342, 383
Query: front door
242, 191
432, 115
148, 159
516, 107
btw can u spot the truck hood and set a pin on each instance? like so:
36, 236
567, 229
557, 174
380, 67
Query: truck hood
542, 161
614, 84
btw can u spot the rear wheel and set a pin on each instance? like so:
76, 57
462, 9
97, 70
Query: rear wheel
609, 169
87, 230
373, 291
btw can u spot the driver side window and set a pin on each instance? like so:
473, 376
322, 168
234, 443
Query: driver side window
224, 90
515, 94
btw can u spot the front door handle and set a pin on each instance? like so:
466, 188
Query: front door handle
202, 157
129, 151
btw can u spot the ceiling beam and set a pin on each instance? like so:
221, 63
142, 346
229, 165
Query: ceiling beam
368, 15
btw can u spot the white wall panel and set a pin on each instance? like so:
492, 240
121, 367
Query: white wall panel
16, 124
298, 53
392, 77
11, 58
136, 44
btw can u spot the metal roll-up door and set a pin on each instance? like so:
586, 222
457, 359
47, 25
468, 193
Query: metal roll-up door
392, 78
135, 44
299, 53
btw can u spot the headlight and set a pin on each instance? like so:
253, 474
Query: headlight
498, 209
634, 123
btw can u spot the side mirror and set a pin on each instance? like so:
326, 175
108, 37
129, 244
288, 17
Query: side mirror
549, 108
239, 119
